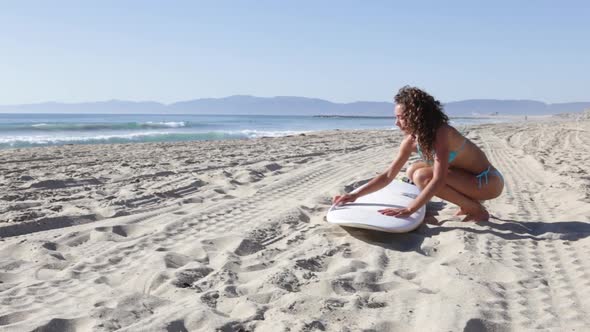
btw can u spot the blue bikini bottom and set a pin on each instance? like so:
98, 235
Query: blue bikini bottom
484, 175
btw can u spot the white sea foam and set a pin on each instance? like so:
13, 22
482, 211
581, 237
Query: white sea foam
170, 124
45, 139
265, 133
151, 136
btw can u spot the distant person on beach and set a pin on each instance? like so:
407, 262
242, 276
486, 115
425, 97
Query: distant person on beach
452, 167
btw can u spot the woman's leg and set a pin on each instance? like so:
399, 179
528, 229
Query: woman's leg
463, 189
466, 183
415, 166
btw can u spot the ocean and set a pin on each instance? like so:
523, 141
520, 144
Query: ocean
30, 130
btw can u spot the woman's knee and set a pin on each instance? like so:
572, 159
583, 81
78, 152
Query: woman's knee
412, 169
496, 190
422, 176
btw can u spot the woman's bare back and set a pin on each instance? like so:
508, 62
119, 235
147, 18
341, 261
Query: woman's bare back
470, 157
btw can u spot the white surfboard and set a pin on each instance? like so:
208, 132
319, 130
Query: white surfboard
363, 213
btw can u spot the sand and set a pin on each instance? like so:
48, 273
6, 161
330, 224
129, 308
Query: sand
231, 236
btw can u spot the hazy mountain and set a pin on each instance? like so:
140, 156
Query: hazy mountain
256, 105
295, 106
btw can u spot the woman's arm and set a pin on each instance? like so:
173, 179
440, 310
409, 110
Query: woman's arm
440, 170
390, 173
384, 178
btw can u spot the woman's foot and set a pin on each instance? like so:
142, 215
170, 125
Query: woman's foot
482, 215
460, 212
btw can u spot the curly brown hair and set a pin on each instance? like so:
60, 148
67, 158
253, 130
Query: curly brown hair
423, 115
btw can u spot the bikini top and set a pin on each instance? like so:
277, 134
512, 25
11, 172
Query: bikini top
452, 154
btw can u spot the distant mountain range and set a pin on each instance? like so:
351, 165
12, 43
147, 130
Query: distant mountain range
295, 106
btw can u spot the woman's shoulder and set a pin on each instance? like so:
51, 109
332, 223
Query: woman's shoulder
449, 132
443, 132
408, 142
446, 129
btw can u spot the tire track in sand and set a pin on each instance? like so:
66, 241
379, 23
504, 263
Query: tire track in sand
180, 226
549, 296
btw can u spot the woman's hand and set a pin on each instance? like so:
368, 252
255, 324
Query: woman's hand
343, 199
397, 212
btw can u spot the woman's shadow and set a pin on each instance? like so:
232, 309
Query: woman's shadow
507, 229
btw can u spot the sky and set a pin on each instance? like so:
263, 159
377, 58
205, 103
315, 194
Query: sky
342, 51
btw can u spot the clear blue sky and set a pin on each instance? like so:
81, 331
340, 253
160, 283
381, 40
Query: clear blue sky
72, 51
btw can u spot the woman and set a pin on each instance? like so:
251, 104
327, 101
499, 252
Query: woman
452, 167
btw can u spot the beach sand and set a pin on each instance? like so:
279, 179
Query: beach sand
231, 236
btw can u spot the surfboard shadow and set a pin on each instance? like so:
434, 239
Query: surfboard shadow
404, 242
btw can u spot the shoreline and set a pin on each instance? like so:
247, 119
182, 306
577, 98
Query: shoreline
296, 133
109, 131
